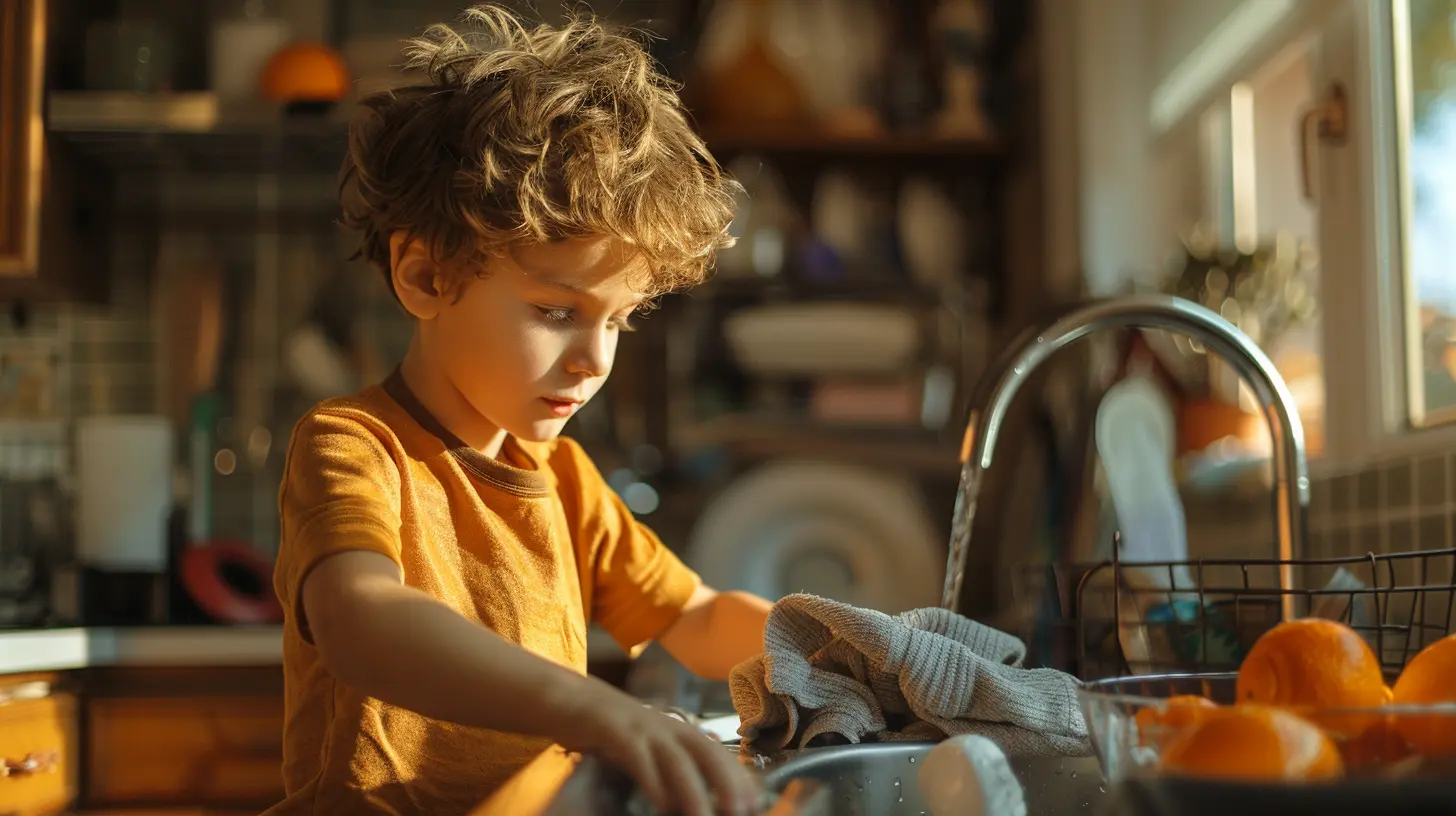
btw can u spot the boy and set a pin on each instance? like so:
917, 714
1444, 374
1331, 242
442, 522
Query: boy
442, 549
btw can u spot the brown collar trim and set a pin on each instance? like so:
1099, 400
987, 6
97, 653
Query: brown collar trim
527, 481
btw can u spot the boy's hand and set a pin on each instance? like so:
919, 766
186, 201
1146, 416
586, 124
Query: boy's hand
678, 767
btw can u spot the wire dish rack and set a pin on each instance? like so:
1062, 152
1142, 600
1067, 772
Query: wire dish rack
1118, 619
1140, 633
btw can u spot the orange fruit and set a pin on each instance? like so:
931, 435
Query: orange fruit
1429, 678
1254, 743
1310, 664
1160, 724
1378, 746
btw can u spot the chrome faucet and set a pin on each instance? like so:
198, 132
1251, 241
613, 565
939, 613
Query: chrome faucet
1001, 384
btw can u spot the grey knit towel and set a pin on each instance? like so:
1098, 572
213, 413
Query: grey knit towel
830, 668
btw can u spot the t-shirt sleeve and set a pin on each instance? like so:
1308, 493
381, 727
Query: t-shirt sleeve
639, 586
340, 492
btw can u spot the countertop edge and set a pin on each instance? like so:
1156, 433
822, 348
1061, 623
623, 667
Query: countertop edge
39, 650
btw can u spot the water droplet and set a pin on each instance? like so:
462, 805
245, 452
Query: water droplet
912, 760
897, 782
1074, 774
901, 799
859, 787
1102, 789
1040, 339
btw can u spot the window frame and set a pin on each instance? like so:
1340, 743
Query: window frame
1363, 237
1372, 287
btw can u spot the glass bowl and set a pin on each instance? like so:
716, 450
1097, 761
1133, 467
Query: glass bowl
1125, 750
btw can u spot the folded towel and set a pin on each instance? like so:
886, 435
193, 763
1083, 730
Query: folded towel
829, 668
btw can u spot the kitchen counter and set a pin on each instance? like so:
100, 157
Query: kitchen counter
36, 650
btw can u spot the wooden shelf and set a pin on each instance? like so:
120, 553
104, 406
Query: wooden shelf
909, 448
195, 132
808, 140
137, 133
889, 290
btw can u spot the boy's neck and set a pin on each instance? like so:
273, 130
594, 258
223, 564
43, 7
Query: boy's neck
447, 405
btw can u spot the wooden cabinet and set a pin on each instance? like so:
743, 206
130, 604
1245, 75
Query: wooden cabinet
38, 754
55, 209
183, 738
22, 60
222, 750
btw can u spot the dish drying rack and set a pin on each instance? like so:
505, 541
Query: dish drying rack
1120, 619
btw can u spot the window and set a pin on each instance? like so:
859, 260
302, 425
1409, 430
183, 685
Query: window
1262, 203
1424, 52
1376, 206
1232, 143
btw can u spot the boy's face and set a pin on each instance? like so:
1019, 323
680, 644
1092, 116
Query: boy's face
527, 345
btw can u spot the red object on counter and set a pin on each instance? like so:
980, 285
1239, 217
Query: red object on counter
231, 582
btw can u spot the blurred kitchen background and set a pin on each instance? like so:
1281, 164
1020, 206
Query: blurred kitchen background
924, 180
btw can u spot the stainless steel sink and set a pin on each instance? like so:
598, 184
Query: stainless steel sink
880, 779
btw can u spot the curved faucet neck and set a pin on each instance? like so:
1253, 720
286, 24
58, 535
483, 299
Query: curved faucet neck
1034, 347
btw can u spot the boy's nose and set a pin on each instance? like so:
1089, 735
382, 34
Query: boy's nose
592, 356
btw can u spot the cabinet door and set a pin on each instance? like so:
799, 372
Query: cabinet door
37, 754
22, 46
185, 752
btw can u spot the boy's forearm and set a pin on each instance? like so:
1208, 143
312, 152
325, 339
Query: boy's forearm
718, 633
409, 650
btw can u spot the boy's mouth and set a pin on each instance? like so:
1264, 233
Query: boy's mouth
561, 407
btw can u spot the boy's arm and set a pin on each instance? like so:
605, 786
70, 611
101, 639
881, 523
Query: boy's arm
641, 591
717, 631
397, 644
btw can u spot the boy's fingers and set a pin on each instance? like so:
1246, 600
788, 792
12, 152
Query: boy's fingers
641, 765
736, 788
682, 776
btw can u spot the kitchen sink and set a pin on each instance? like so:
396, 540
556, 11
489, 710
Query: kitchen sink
879, 779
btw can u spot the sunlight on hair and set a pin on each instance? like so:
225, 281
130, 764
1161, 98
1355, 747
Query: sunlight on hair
532, 134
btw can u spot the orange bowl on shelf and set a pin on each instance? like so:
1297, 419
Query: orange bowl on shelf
304, 72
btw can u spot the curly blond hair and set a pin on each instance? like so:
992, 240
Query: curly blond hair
527, 135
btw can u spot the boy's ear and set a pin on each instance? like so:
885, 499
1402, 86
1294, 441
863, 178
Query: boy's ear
417, 279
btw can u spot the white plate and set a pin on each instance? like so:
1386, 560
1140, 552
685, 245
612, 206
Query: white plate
823, 338
840, 531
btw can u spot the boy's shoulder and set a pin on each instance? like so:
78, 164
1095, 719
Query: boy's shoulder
370, 401
368, 412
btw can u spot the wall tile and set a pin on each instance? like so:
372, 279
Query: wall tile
1431, 482
1399, 491
1367, 490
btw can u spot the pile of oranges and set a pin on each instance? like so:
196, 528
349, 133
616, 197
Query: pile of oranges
1309, 705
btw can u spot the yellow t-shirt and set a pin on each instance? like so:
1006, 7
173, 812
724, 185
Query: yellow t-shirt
533, 545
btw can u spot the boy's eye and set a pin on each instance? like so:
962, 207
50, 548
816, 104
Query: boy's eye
555, 314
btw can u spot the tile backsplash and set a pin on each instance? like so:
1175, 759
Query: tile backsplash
113, 360
1388, 509
1400, 505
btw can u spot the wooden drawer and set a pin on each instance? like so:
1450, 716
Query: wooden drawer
185, 751
38, 747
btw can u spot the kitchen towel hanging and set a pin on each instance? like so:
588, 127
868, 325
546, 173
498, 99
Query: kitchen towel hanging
124, 492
